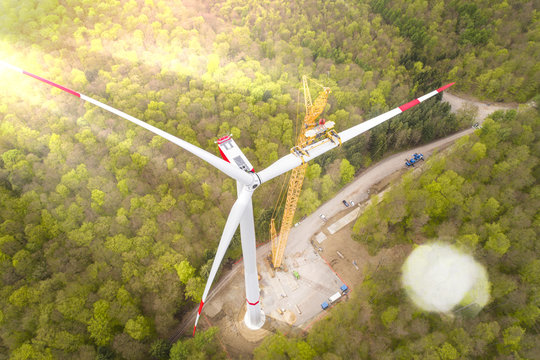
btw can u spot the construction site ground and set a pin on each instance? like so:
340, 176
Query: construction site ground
323, 253
293, 305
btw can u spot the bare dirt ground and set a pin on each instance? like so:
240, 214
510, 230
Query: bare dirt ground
458, 102
293, 306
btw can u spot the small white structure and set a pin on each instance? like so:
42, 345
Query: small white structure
332, 299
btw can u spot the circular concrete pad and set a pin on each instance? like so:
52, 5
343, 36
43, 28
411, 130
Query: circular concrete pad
247, 333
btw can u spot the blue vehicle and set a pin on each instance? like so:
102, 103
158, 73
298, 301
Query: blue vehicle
344, 289
415, 158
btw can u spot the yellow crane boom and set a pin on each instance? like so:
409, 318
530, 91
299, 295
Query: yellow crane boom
313, 110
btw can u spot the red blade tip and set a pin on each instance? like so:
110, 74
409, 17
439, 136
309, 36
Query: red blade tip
441, 89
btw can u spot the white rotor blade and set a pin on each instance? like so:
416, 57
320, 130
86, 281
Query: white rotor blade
290, 161
213, 160
231, 225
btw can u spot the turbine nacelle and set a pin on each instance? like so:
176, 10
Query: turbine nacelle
232, 153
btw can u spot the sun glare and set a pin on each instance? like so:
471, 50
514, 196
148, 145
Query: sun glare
439, 278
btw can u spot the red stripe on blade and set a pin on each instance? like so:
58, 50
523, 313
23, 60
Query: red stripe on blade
195, 327
441, 89
51, 83
200, 307
409, 105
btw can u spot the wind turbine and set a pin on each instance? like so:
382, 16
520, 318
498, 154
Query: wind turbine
247, 181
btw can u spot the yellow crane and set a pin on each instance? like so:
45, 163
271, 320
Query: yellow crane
313, 110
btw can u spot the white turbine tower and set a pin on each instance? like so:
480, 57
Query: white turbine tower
247, 181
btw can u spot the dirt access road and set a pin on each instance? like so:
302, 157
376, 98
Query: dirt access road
225, 306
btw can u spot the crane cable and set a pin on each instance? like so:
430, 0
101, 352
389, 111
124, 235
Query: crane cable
297, 111
322, 87
281, 196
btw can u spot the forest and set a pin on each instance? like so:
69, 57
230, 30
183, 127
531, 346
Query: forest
107, 233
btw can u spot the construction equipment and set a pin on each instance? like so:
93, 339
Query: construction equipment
415, 158
309, 127
312, 130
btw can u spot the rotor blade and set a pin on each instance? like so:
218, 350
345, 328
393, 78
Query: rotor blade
290, 161
231, 225
213, 160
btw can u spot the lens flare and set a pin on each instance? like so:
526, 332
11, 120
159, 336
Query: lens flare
437, 277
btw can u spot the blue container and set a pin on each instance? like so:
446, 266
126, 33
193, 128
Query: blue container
324, 305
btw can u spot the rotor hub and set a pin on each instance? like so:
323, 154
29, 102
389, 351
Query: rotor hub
255, 183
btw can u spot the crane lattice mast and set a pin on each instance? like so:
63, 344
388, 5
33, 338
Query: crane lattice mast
279, 242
